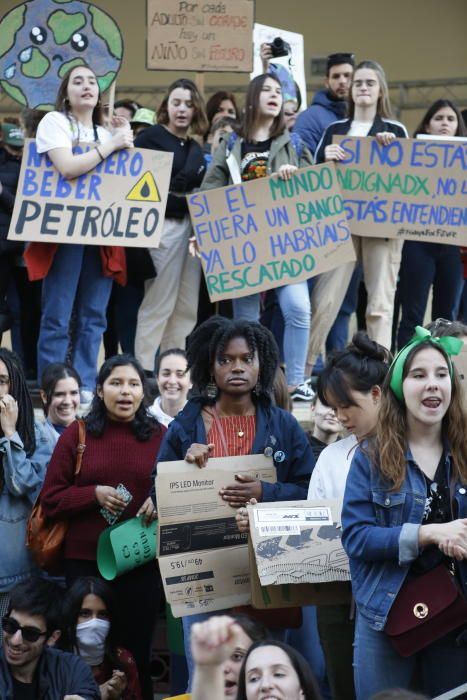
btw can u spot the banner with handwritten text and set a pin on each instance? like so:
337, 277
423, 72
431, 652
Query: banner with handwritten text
412, 189
269, 232
200, 36
121, 202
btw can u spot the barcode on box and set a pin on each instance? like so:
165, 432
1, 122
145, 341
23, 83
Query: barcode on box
265, 530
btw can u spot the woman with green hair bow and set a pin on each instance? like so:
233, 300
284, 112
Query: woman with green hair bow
405, 515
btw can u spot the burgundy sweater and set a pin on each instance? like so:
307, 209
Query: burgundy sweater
115, 458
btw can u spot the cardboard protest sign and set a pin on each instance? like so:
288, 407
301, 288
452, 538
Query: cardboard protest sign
413, 189
121, 202
194, 36
290, 595
268, 232
125, 546
296, 553
42, 40
203, 558
206, 581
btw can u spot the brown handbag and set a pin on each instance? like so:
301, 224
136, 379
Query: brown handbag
427, 607
45, 536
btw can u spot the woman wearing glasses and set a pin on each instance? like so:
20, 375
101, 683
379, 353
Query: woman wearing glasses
370, 115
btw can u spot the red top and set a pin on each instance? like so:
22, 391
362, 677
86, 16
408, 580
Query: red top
40, 256
237, 433
133, 689
116, 457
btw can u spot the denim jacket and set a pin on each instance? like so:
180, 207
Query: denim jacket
21, 483
277, 433
380, 533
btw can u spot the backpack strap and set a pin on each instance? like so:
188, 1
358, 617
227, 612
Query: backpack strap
297, 144
81, 445
231, 143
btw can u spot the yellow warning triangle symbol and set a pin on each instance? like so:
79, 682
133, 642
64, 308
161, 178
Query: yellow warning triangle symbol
145, 189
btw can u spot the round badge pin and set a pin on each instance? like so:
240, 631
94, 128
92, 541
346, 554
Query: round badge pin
268, 451
279, 456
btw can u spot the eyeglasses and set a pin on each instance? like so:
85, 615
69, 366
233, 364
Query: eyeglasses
29, 634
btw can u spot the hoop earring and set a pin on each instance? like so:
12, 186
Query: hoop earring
211, 390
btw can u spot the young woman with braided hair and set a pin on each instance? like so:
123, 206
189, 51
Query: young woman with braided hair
24, 454
233, 365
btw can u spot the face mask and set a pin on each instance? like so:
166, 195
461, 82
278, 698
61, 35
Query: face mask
91, 636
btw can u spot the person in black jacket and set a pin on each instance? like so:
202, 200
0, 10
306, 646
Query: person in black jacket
370, 115
169, 308
10, 164
30, 669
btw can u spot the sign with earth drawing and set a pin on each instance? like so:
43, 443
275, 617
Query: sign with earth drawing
41, 40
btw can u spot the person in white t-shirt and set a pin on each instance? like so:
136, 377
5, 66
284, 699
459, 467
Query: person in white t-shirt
174, 383
77, 279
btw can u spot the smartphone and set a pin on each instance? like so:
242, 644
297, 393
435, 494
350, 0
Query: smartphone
112, 518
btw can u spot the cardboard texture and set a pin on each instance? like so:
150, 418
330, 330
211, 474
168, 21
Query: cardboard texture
203, 558
120, 203
413, 189
267, 232
193, 36
125, 546
298, 559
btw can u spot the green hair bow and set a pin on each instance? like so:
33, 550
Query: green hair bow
450, 345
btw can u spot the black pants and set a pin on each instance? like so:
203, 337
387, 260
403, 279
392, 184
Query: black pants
336, 634
137, 595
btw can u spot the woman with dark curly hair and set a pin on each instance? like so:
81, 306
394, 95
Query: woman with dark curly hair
233, 365
24, 453
122, 442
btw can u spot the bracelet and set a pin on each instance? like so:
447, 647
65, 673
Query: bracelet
99, 152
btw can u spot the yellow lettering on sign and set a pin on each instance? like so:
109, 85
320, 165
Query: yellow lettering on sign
145, 189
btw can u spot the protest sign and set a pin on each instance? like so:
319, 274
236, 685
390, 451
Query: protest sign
413, 189
296, 556
125, 546
203, 558
42, 40
120, 203
269, 232
208, 36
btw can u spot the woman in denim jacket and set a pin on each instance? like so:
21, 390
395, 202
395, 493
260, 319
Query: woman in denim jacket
24, 452
405, 511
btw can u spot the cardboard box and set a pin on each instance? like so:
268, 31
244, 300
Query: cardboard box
296, 557
201, 582
203, 558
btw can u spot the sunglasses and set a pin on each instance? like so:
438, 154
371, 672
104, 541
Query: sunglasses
29, 634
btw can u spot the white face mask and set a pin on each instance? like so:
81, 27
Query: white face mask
91, 636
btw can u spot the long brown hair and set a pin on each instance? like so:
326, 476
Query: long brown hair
251, 114
199, 123
391, 443
436, 107
383, 108
62, 103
